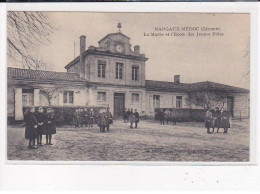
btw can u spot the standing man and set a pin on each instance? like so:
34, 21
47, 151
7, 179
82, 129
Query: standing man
109, 118
85, 117
91, 118
128, 113
136, 115
161, 116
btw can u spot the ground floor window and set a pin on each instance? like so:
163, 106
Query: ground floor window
156, 101
135, 98
68, 97
101, 96
178, 101
27, 97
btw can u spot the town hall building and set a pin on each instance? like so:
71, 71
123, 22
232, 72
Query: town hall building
110, 75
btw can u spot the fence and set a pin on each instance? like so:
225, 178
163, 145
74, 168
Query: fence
184, 115
64, 114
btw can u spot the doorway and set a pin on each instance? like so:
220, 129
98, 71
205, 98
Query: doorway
119, 104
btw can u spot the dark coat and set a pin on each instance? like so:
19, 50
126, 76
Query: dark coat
85, 117
91, 116
76, 118
136, 115
31, 123
209, 120
41, 122
225, 119
161, 115
49, 127
109, 117
217, 117
102, 120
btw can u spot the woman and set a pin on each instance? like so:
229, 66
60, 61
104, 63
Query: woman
49, 128
30, 127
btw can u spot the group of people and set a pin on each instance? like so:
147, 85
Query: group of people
131, 116
167, 116
83, 117
104, 119
38, 124
217, 119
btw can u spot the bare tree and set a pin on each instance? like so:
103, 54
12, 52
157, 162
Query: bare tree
49, 93
207, 99
26, 31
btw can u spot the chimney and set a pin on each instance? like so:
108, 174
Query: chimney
137, 49
177, 79
81, 60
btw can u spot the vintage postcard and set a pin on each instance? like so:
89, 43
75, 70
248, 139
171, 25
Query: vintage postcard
150, 87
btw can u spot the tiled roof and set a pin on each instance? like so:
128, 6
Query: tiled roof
212, 86
152, 85
42, 75
164, 86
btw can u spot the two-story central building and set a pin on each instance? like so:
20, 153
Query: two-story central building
113, 75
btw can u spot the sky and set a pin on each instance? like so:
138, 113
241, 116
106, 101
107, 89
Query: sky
219, 59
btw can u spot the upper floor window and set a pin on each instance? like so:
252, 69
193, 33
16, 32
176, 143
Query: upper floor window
119, 70
101, 96
135, 98
178, 101
135, 71
68, 97
101, 69
27, 97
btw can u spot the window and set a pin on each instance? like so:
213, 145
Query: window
135, 73
178, 101
119, 70
68, 97
101, 96
27, 97
135, 98
156, 101
101, 69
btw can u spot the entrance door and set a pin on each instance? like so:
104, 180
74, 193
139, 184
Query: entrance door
119, 104
230, 105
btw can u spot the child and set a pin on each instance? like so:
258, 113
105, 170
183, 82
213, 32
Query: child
31, 125
41, 120
49, 128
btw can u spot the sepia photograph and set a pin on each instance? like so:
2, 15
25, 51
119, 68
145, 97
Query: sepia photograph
129, 86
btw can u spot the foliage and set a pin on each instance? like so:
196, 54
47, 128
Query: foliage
207, 99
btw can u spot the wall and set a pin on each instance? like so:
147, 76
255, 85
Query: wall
92, 70
241, 105
128, 97
167, 100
